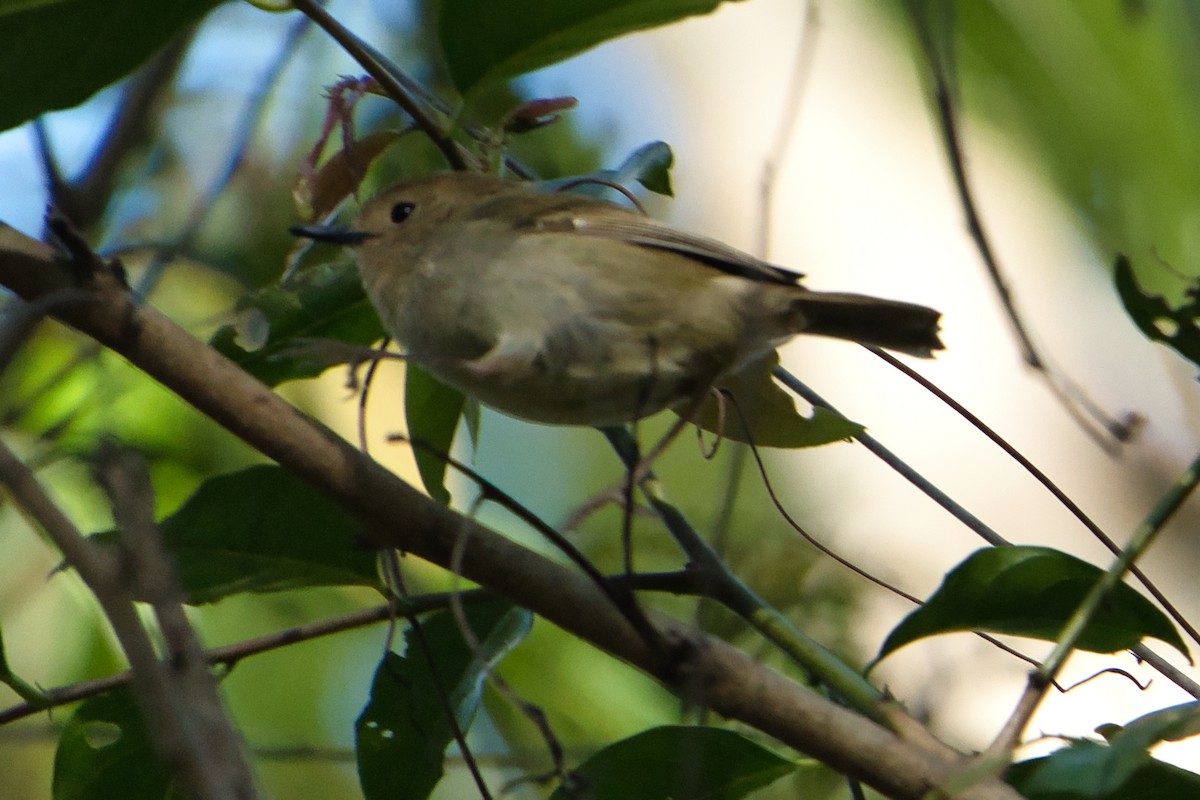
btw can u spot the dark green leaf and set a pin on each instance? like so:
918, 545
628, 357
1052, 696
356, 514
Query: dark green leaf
105, 751
1178, 328
1165, 725
262, 530
56, 55
499, 39
1032, 591
679, 761
432, 409
326, 302
1129, 747
402, 734
1087, 771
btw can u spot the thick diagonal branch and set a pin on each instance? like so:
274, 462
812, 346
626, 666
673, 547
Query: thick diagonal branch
907, 764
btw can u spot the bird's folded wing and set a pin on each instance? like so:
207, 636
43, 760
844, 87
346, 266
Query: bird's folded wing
645, 232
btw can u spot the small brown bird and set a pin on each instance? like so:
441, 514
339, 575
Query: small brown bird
563, 309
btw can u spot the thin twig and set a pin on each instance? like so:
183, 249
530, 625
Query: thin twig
174, 734
1044, 480
531, 712
621, 599
968, 519
229, 655
203, 746
1101, 426
349, 42
449, 712
1141, 650
244, 128
847, 563
84, 199
717, 582
1145, 535
783, 137
394, 579
482, 137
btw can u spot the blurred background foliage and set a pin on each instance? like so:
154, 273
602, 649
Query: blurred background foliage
1101, 96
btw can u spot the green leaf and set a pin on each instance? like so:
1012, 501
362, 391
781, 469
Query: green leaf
1128, 750
487, 42
1087, 770
1032, 591
1165, 725
649, 165
1178, 328
56, 55
679, 761
324, 302
264, 530
432, 409
105, 751
402, 734
770, 413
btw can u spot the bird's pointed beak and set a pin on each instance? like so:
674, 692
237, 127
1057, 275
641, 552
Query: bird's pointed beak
331, 234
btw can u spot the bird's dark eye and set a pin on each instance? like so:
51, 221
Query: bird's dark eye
401, 211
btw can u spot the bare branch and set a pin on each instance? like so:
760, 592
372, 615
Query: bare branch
228, 655
85, 198
182, 746
200, 734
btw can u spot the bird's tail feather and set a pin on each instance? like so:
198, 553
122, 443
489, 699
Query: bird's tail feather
891, 324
